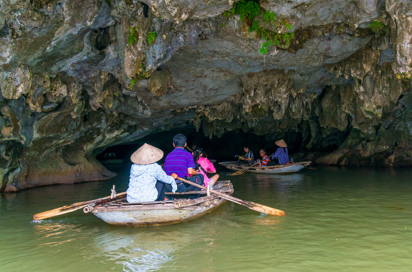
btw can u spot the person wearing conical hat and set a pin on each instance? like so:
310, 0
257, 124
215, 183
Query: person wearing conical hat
282, 152
147, 180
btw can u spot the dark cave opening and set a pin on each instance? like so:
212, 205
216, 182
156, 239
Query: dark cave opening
145, 9
219, 148
224, 148
102, 39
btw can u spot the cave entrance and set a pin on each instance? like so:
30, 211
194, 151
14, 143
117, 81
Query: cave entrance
219, 148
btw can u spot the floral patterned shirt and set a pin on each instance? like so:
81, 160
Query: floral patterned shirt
142, 182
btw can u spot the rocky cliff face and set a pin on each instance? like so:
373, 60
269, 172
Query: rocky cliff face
77, 76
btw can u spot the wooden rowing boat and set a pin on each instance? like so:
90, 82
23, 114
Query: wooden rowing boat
156, 213
275, 169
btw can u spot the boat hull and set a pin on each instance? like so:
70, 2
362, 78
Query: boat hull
154, 217
284, 170
277, 169
161, 212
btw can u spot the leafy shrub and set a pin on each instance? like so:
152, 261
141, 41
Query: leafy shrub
132, 83
378, 27
227, 14
248, 10
133, 35
151, 37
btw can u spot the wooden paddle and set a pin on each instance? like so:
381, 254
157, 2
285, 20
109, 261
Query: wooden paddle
240, 172
74, 207
248, 204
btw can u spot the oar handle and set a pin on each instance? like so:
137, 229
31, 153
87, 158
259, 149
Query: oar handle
213, 191
73, 207
251, 205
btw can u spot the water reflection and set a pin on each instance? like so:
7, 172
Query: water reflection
156, 248
269, 186
139, 250
49, 228
283, 180
266, 220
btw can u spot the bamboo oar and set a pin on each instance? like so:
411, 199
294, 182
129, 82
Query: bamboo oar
73, 207
248, 204
240, 172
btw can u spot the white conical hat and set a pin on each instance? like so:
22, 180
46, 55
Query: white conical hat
146, 154
281, 143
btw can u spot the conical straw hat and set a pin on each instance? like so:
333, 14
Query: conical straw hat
146, 154
281, 143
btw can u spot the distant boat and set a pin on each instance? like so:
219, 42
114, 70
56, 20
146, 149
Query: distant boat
275, 169
119, 212
112, 161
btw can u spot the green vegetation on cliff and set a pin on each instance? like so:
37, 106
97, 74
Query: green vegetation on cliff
151, 37
133, 35
250, 11
378, 28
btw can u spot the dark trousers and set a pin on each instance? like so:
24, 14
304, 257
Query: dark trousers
180, 188
198, 179
161, 190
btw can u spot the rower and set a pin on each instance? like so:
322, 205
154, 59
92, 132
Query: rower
147, 179
181, 162
282, 152
248, 157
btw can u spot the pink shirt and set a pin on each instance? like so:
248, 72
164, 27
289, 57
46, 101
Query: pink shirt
208, 166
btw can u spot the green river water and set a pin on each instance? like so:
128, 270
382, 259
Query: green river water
336, 219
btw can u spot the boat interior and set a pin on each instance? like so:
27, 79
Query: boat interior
222, 186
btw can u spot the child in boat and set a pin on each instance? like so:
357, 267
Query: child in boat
147, 178
205, 166
265, 158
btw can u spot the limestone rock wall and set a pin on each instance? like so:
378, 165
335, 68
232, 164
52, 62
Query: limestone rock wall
77, 76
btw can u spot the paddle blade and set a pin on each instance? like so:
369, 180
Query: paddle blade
240, 172
264, 209
55, 212
74, 207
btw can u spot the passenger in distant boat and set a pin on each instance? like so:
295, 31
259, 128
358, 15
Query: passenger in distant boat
248, 157
203, 165
147, 178
265, 158
282, 152
179, 161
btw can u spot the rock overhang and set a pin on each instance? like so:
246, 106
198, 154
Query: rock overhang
65, 87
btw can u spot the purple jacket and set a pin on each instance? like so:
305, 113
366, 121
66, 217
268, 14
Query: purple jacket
282, 156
